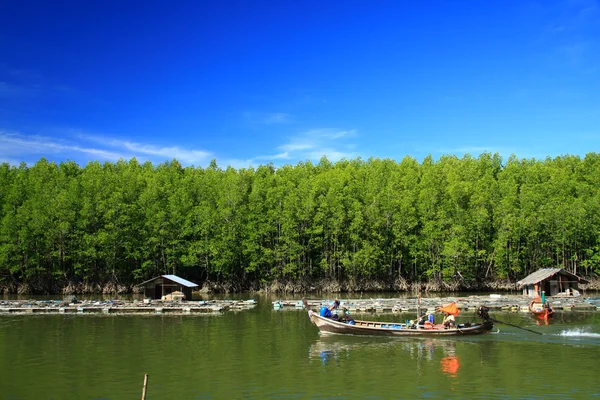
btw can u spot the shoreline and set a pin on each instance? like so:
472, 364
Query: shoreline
282, 287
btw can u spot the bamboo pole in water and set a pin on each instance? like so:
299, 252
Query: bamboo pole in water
419, 306
144, 388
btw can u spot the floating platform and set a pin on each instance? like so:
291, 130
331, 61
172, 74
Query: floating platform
121, 307
495, 302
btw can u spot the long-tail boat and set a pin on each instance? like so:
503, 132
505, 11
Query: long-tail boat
349, 326
540, 309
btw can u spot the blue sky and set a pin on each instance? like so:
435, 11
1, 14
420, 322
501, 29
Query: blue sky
283, 81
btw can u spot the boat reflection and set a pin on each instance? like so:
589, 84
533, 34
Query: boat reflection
450, 365
335, 349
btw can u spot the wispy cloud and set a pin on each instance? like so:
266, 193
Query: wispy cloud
291, 147
267, 118
18, 83
27, 147
573, 30
142, 150
314, 144
277, 118
83, 148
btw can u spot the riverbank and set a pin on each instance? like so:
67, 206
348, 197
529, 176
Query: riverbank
280, 286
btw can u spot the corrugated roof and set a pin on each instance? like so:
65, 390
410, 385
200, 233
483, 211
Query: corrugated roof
545, 273
173, 278
179, 280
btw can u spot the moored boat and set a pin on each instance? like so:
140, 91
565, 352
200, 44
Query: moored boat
540, 309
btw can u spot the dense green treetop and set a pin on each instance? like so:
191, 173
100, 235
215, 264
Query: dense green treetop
452, 219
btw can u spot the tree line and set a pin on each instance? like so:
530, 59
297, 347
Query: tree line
467, 220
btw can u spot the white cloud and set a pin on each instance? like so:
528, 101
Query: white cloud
291, 147
84, 148
267, 118
276, 118
182, 155
331, 154
151, 152
15, 145
316, 143
282, 156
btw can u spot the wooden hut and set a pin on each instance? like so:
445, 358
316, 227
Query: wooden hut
553, 281
164, 285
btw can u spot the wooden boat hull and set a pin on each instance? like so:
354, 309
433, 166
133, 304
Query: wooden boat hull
538, 309
372, 328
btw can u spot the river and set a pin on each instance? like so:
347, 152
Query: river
267, 354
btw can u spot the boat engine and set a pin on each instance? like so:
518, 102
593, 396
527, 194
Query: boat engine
482, 311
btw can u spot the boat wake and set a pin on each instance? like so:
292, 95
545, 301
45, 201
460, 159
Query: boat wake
579, 333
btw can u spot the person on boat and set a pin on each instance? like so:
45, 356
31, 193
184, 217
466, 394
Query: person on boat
425, 321
450, 311
327, 312
346, 317
333, 309
449, 321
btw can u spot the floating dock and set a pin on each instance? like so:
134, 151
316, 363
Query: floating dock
123, 307
495, 302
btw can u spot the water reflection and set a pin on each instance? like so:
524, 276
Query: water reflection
328, 349
334, 349
450, 366
328, 355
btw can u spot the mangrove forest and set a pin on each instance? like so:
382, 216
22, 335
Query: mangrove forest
375, 224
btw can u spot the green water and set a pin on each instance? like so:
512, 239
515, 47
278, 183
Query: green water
268, 354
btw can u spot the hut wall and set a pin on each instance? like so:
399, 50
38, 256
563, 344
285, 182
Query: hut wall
529, 291
159, 287
149, 291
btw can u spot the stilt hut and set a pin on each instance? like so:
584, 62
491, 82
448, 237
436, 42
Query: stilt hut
552, 281
163, 285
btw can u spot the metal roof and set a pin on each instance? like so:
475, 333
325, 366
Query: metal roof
545, 273
179, 280
173, 278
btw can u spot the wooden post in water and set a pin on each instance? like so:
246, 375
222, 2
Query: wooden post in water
144, 388
419, 305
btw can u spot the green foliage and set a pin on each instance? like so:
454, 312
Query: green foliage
467, 219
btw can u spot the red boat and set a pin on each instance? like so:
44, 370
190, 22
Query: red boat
541, 310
